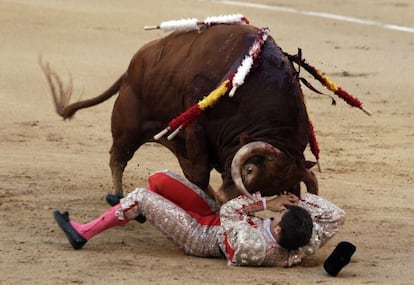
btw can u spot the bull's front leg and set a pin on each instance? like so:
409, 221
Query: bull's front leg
224, 194
198, 169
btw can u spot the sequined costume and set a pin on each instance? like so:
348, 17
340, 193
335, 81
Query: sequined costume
194, 222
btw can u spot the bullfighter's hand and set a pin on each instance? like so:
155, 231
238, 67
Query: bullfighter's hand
280, 202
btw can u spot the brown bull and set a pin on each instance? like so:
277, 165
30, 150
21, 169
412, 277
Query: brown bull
255, 139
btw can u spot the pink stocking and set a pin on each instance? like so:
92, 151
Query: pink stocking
105, 221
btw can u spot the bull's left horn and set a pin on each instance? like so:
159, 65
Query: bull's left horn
244, 153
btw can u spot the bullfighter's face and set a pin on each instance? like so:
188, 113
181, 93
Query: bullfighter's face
274, 225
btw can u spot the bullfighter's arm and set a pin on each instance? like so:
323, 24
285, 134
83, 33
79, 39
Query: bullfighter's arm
327, 219
237, 209
244, 243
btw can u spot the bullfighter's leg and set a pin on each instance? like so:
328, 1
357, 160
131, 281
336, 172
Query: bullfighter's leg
183, 193
193, 226
79, 234
192, 230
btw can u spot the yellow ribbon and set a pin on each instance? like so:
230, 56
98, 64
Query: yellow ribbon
214, 95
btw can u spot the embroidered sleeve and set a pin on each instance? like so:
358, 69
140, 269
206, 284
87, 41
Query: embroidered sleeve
238, 208
327, 219
244, 243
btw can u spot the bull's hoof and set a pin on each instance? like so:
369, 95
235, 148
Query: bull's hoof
113, 199
62, 219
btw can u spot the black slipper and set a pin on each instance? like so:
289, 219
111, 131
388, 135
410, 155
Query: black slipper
340, 257
75, 239
113, 199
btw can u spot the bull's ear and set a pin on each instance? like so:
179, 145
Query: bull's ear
309, 164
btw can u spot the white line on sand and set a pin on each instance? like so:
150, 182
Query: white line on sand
319, 14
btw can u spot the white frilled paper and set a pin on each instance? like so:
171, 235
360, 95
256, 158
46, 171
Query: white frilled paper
194, 24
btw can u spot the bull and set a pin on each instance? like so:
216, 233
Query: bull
255, 139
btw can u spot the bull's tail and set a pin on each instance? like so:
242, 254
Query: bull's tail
61, 97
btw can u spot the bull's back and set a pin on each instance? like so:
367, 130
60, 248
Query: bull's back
172, 73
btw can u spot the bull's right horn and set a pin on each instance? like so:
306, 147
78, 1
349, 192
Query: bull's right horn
245, 152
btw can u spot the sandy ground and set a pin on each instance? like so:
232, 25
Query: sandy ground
47, 163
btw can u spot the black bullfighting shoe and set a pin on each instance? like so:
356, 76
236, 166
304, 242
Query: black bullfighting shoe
75, 239
113, 199
340, 257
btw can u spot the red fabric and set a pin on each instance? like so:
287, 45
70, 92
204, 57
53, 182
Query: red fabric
313, 142
186, 118
184, 197
229, 249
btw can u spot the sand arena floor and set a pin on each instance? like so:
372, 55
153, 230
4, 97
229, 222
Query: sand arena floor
47, 164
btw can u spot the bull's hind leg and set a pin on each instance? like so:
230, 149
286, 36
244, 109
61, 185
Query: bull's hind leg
117, 169
129, 131
122, 150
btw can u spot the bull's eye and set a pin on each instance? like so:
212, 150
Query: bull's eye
249, 170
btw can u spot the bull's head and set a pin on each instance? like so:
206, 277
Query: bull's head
259, 166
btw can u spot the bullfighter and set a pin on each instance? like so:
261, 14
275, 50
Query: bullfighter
198, 226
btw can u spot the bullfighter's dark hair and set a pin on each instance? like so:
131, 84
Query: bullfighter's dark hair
296, 228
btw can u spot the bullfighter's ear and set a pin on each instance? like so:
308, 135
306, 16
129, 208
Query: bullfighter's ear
245, 139
309, 164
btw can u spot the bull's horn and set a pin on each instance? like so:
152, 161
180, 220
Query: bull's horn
244, 153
